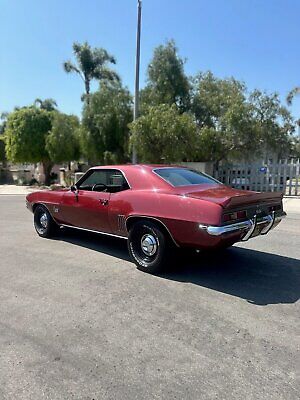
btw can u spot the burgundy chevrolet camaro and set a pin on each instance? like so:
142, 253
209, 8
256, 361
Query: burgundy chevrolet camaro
156, 208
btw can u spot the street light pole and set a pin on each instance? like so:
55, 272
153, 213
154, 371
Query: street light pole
137, 72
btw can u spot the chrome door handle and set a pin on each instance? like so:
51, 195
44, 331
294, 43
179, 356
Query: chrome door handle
104, 202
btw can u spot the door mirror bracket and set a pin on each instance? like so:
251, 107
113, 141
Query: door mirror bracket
74, 189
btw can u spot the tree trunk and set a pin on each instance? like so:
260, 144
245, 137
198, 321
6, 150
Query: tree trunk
47, 167
87, 91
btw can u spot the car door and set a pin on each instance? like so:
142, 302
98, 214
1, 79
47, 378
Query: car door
88, 207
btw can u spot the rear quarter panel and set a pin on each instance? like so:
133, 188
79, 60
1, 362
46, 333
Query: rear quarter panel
181, 214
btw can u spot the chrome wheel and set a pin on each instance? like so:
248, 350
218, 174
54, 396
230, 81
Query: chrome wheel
149, 244
41, 222
44, 220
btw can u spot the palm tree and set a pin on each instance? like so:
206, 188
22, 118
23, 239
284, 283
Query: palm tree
292, 94
91, 63
47, 104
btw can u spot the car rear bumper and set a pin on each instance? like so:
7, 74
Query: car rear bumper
250, 228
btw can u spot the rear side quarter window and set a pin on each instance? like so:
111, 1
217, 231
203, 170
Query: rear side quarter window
184, 176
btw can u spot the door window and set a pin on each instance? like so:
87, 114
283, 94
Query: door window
111, 181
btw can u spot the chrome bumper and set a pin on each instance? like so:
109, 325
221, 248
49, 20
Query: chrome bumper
248, 227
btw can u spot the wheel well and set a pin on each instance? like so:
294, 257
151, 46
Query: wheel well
34, 206
132, 220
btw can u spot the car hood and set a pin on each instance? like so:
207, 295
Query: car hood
228, 197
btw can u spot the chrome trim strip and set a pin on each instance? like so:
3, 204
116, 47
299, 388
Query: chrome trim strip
155, 219
267, 228
248, 225
220, 230
92, 231
251, 230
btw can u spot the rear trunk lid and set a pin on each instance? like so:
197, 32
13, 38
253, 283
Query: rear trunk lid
230, 198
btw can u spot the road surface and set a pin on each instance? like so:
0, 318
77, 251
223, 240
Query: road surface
78, 321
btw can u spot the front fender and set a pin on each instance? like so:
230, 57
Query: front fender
50, 199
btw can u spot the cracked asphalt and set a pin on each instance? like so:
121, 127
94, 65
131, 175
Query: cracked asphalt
78, 321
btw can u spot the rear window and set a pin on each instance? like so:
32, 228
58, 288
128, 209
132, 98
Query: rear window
184, 177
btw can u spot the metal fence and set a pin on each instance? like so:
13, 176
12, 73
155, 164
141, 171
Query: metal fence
282, 177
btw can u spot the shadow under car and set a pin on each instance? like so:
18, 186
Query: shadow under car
258, 277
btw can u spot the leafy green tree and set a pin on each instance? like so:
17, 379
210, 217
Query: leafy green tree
221, 110
212, 98
105, 132
25, 137
274, 123
210, 145
2, 150
35, 135
91, 63
47, 104
295, 151
166, 80
62, 143
163, 134
294, 92
3, 118
235, 125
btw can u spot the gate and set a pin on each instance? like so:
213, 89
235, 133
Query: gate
282, 177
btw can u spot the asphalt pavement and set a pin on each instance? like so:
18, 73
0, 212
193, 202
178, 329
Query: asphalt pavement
79, 321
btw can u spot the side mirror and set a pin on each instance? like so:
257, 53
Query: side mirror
74, 189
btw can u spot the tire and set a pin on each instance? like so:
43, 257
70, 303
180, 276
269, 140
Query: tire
148, 247
43, 222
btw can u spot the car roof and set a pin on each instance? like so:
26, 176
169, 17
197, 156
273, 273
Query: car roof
141, 176
130, 166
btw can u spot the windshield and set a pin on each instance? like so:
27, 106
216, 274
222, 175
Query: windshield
184, 177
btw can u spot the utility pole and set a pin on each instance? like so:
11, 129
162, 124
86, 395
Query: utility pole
137, 72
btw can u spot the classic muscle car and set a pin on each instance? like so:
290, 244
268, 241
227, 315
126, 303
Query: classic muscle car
157, 208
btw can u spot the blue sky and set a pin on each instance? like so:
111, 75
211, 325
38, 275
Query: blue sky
257, 41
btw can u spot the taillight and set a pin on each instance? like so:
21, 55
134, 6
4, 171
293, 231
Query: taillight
241, 214
234, 216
